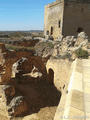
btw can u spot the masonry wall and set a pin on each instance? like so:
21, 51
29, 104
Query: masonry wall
76, 16
53, 17
61, 69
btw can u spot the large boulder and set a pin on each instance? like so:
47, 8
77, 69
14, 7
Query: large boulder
32, 67
34, 73
17, 67
82, 40
44, 48
83, 35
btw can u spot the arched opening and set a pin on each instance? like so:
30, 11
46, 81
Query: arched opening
51, 30
47, 33
51, 76
59, 22
80, 29
82, 10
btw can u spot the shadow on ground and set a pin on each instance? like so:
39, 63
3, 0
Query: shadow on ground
38, 93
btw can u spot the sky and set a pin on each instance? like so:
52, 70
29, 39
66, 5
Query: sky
22, 14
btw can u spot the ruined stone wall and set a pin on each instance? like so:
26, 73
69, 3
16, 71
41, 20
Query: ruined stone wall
61, 70
76, 16
53, 18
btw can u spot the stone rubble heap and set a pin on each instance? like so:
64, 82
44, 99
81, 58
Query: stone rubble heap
68, 45
11, 103
63, 46
17, 68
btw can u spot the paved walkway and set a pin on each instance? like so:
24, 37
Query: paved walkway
86, 84
75, 105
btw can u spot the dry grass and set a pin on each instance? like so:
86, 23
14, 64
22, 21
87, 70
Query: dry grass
17, 48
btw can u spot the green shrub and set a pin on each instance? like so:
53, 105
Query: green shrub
80, 53
47, 44
50, 44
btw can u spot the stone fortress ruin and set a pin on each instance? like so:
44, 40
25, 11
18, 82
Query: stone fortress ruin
43, 79
67, 17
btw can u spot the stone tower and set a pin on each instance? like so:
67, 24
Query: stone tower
67, 17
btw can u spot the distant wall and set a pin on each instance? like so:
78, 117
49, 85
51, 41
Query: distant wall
76, 16
53, 17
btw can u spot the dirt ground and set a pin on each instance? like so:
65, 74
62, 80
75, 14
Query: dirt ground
42, 99
46, 113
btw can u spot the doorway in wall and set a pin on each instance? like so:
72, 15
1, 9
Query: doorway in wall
51, 30
47, 32
59, 22
51, 76
80, 29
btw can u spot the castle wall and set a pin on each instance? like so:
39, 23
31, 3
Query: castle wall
76, 16
53, 17
61, 69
